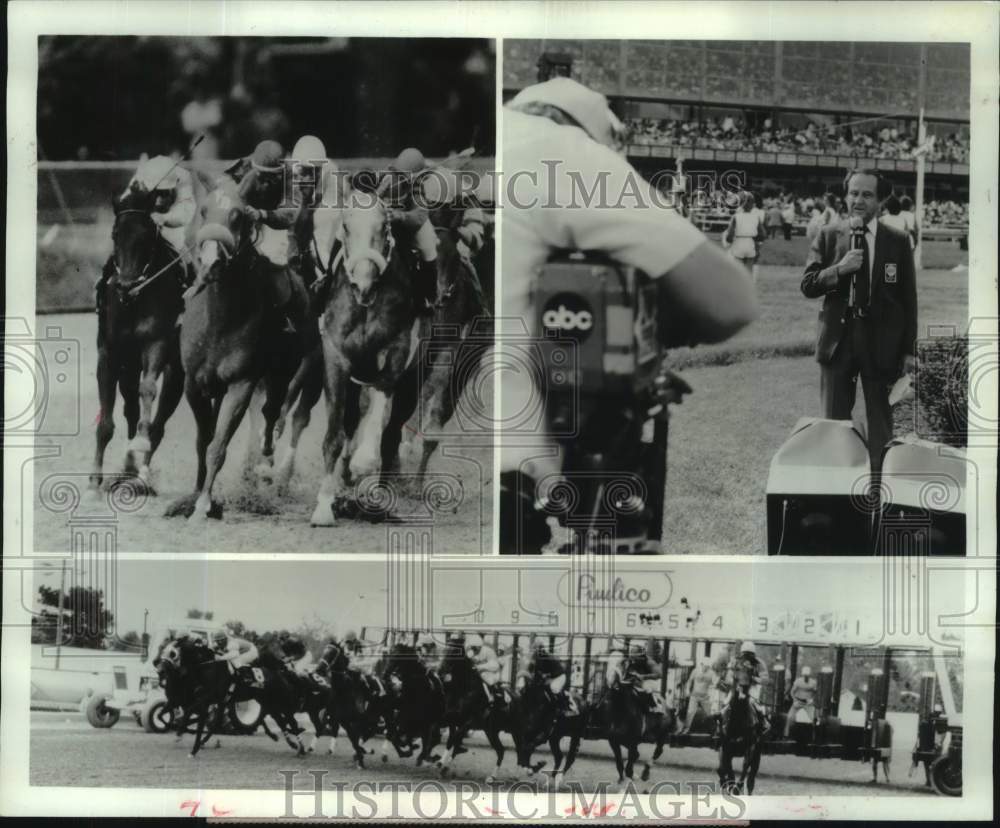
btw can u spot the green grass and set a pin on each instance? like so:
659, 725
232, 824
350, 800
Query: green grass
747, 395
787, 324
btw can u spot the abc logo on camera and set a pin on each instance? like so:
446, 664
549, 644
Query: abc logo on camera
568, 314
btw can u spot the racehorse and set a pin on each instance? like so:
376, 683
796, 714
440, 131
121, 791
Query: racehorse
741, 731
418, 702
137, 338
628, 722
536, 715
370, 333
352, 702
434, 384
207, 690
467, 707
232, 336
449, 359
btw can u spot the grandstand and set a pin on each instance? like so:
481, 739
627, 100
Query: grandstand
793, 115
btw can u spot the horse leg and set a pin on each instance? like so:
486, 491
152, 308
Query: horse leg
754, 767
574, 749
276, 385
234, 406
454, 741
404, 402
557, 757
202, 720
107, 390
337, 375
128, 383
140, 447
204, 418
442, 406
616, 749
365, 459
312, 389
170, 396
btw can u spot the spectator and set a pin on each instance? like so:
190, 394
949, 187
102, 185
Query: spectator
885, 142
788, 218
774, 220
892, 217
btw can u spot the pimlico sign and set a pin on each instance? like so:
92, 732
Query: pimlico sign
623, 590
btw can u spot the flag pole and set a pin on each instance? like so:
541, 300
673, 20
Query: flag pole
921, 162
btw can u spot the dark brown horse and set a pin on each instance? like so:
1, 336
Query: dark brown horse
137, 340
233, 335
370, 332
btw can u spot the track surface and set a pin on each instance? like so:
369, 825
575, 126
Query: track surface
65, 750
284, 524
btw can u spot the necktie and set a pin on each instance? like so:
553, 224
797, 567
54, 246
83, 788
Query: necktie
861, 277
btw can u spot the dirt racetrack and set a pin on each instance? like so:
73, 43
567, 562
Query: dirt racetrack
67, 751
255, 518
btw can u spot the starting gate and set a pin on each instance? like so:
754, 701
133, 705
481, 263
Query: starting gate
845, 715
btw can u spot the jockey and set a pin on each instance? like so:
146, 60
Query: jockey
644, 668
295, 654
427, 652
487, 665
173, 209
312, 176
550, 670
261, 177
239, 653
398, 190
748, 660
803, 695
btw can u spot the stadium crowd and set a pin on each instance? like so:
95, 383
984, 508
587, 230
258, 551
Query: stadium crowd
787, 208
730, 133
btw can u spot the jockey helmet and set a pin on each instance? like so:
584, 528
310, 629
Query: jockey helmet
410, 160
636, 649
350, 637
585, 106
284, 635
748, 647
158, 173
474, 641
806, 671
308, 148
267, 157
219, 637
425, 640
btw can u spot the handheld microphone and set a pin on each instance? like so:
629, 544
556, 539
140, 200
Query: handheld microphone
857, 233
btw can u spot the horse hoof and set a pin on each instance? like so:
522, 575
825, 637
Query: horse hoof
323, 516
645, 774
264, 472
490, 780
191, 756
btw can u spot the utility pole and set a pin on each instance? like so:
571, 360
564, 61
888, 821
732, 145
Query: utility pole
59, 618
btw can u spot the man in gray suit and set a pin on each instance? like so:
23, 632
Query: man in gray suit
864, 272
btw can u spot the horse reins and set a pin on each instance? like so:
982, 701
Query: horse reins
143, 281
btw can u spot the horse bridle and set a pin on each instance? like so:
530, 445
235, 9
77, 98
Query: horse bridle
142, 281
380, 258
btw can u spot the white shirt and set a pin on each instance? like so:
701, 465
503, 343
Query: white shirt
646, 234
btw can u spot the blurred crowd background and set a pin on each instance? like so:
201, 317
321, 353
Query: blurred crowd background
820, 138
115, 98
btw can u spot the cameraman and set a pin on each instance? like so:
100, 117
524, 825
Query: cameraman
569, 187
